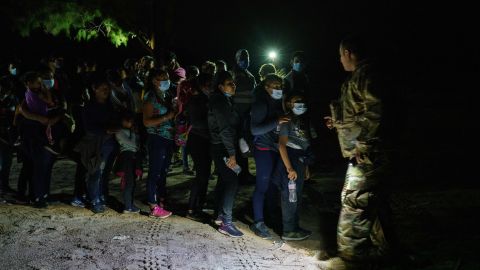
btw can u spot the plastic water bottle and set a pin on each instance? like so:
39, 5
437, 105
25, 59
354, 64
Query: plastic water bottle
292, 191
237, 169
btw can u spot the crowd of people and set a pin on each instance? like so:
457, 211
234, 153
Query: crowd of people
152, 112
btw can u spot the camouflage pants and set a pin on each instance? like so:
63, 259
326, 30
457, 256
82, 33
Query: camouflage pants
359, 233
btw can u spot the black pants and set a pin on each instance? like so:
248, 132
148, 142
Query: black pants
199, 149
42, 161
26, 174
227, 183
128, 163
80, 186
5, 164
244, 113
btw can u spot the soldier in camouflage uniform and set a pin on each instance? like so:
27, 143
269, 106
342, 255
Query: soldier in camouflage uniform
356, 117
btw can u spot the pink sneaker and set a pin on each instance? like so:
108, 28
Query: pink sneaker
159, 212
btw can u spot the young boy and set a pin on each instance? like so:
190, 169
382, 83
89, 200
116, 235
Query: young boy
293, 144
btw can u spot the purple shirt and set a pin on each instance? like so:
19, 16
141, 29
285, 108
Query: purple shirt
35, 104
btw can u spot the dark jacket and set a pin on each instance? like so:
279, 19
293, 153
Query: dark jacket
264, 119
296, 82
223, 122
245, 83
89, 148
7, 114
97, 118
196, 110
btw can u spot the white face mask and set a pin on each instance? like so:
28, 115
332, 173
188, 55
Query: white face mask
164, 85
299, 108
49, 83
277, 94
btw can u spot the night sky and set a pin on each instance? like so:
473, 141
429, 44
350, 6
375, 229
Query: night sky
429, 49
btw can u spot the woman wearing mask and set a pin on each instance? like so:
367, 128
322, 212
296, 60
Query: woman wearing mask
99, 123
266, 116
224, 126
198, 143
158, 114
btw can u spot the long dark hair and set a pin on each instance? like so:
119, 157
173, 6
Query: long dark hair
150, 87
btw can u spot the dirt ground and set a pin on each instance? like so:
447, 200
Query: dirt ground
437, 225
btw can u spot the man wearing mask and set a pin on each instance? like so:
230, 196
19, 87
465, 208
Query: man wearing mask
245, 82
12, 69
296, 80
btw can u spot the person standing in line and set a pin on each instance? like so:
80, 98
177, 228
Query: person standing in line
224, 126
245, 82
267, 115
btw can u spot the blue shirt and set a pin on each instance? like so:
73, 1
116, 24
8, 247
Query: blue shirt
165, 129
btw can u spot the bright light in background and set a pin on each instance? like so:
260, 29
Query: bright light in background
272, 55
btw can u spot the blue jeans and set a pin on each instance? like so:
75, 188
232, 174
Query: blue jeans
108, 168
290, 209
159, 156
94, 184
227, 183
265, 161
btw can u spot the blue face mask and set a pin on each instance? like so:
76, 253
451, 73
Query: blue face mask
227, 94
299, 108
49, 83
243, 64
164, 85
13, 71
277, 94
297, 67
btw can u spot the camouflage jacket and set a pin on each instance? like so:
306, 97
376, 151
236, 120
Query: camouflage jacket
357, 114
